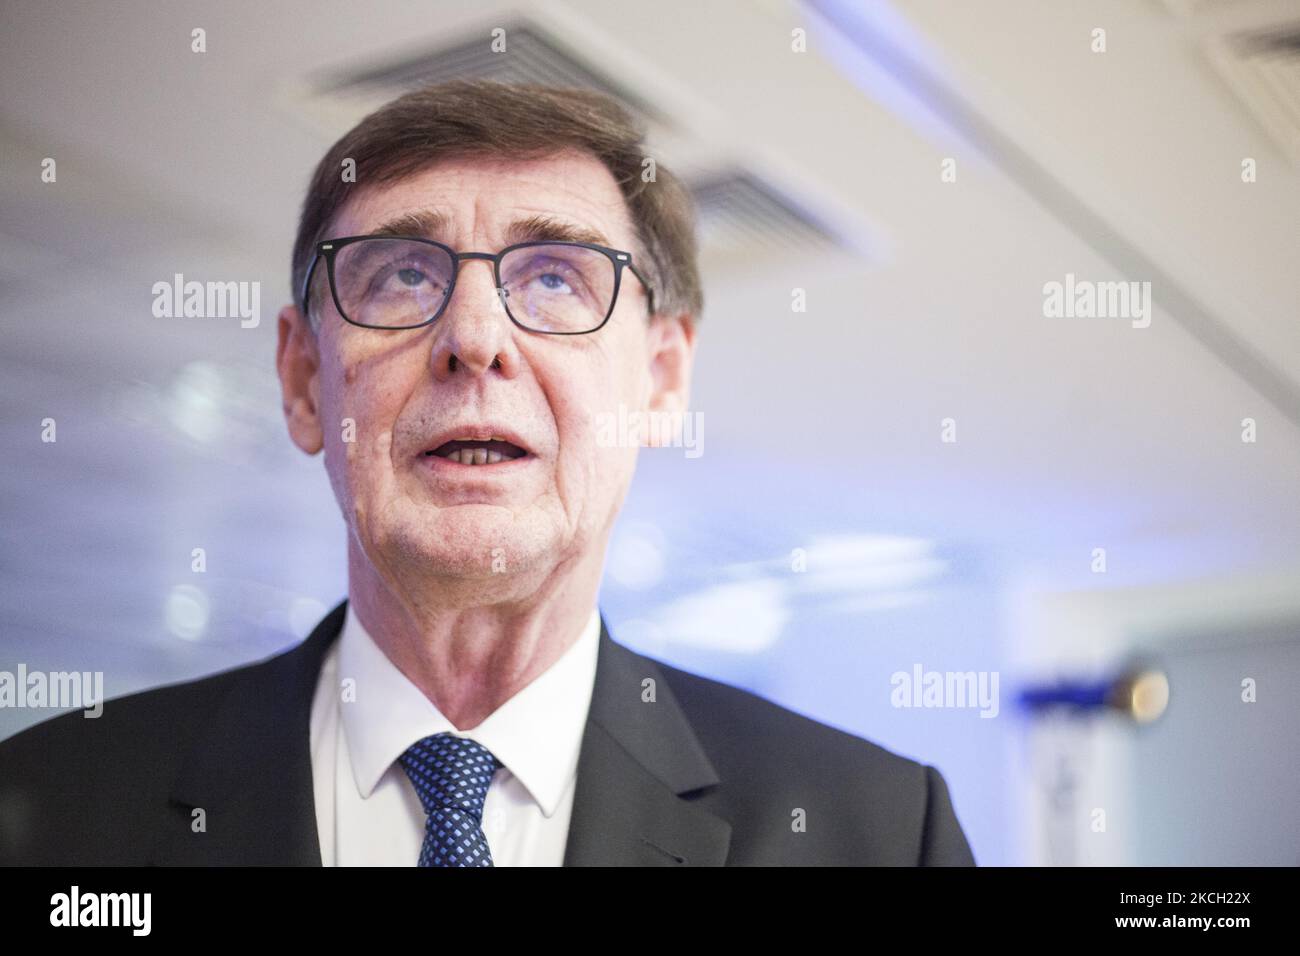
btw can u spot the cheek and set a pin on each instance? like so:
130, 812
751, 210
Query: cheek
338, 431
339, 419
370, 386
355, 410
626, 377
598, 444
581, 406
614, 394
634, 373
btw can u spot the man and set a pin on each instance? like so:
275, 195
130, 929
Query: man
496, 277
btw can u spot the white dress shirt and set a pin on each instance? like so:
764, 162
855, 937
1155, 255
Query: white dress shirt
367, 810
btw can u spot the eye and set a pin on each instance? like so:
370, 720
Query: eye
554, 282
410, 277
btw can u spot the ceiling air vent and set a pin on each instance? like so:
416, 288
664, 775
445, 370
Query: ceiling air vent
336, 99
1263, 68
743, 216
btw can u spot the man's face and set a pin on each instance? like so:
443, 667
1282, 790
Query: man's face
397, 395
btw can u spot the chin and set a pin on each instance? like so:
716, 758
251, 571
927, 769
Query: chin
473, 541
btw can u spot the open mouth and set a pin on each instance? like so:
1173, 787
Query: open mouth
468, 451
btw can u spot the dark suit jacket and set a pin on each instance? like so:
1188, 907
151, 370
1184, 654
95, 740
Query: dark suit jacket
705, 775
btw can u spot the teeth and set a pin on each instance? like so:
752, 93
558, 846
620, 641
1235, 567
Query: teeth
475, 456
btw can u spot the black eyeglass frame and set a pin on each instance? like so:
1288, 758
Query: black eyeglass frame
328, 249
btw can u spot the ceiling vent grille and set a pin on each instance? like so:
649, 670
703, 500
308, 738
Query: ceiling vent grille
741, 215
339, 98
1263, 68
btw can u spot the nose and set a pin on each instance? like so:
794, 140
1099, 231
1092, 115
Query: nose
474, 334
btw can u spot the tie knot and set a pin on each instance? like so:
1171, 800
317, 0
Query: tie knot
450, 773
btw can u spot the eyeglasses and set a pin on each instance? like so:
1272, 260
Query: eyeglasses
400, 282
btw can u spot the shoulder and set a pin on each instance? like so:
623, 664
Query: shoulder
747, 728
856, 800
142, 719
77, 784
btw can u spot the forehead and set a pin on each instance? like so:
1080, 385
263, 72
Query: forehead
480, 198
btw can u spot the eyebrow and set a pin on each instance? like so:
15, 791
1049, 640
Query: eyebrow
425, 223
548, 228
431, 224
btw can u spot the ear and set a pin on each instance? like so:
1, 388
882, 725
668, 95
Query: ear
671, 350
297, 359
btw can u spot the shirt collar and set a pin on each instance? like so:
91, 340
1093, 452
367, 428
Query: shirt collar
536, 734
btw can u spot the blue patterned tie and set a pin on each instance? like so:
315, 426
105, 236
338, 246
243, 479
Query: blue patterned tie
451, 775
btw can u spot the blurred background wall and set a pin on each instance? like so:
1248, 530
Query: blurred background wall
908, 464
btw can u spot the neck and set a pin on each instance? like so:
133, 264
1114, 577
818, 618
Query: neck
472, 644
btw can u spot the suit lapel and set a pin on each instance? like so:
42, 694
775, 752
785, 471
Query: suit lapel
250, 769
638, 760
